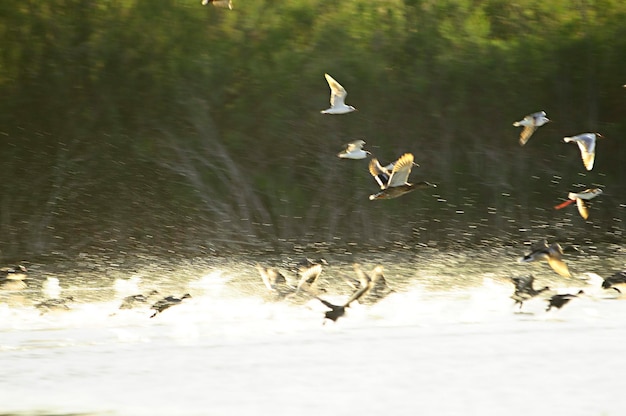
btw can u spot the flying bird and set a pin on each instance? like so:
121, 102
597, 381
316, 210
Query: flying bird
581, 199
337, 311
337, 97
557, 301
354, 150
378, 287
394, 183
530, 123
274, 281
166, 303
524, 289
227, 4
587, 144
614, 280
309, 270
552, 254
131, 301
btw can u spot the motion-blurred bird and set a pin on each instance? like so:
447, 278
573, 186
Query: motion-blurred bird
57, 304
354, 150
309, 270
552, 254
394, 183
557, 301
337, 97
587, 144
274, 280
12, 278
378, 287
617, 279
581, 199
130, 302
530, 123
227, 4
337, 311
166, 303
524, 289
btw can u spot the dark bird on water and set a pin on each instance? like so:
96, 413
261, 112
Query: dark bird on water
557, 301
337, 311
166, 303
616, 279
130, 302
524, 289
56, 304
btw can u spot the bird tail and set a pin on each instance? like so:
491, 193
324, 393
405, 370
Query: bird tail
564, 204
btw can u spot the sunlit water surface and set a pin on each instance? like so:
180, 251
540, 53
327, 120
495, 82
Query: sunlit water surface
448, 342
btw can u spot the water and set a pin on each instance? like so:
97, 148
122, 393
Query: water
447, 342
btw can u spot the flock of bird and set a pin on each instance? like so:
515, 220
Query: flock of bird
393, 182
524, 289
14, 279
370, 287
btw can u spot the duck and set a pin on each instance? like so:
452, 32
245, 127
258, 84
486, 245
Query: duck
166, 303
530, 123
337, 311
12, 278
394, 183
338, 95
274, 280
55, 304
227, 4
309, 271
354, 150
614, 280
17, 272
557, 301
581, 199
587, 144
378, 286
552, 254
524, 289
131, 301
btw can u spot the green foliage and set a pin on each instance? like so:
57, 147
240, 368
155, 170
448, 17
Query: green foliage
126, 119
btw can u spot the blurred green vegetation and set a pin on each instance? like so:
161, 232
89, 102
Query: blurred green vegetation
129, 124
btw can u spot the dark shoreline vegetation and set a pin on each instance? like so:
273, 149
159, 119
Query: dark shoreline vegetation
169, 127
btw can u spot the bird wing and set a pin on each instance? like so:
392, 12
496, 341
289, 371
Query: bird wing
587, 144
328, 304
337, 92
379, 173
583, 208
358, 294
559, 266
527, 131
355, 145
265, 277
309, 275
401, 171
